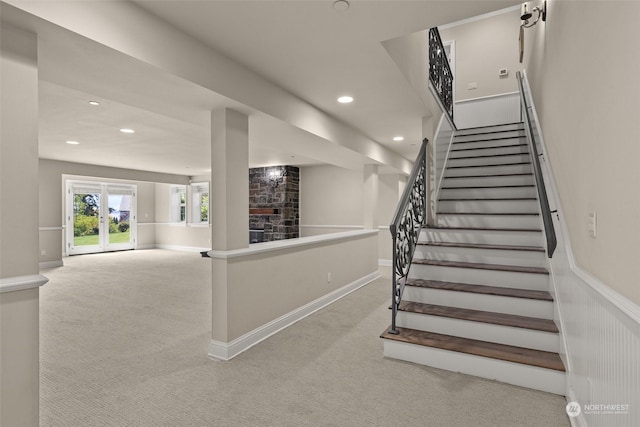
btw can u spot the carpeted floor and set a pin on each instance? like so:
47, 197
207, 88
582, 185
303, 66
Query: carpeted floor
124, 338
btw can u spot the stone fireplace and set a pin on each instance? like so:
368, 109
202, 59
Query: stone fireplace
273, 203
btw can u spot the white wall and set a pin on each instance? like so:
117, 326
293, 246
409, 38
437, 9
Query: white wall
390, 189
51, 200
273, 284
482, 47
583, 72
583, 78
330, 199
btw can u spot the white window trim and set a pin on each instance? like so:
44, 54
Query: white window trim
175, 204
195, 190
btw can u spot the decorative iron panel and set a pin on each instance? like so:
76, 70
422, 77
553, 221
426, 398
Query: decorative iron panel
440, 73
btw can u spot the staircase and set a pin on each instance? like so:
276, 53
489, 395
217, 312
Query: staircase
477, 298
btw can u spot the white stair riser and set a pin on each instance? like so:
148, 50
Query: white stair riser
482, 256
476, 181
488, 170
487, 193
473, 301
476, 276
493, 160
489, 143
488, 206
533, 377
490, 135
511, 149
489, 221
491, 129
507, 335
488, 237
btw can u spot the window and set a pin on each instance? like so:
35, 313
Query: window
200, 203
178, 203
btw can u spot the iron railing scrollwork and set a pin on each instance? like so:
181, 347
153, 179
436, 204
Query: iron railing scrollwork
440, 74
537, 172
409, 217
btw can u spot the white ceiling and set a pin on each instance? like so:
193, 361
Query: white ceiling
306, 47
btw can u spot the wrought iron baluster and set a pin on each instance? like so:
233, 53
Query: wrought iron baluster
410, 215
440, 73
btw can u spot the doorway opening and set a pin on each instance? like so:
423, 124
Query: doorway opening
100, 217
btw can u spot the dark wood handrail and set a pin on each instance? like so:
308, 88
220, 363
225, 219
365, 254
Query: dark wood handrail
547, 220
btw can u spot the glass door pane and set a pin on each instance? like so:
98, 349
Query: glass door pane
121, 217
86, 220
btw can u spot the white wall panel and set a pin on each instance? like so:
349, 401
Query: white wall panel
600, 329
487, 111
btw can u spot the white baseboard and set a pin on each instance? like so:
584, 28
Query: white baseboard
385, 262
144, 247
227, 351
579, 420
182, 248
51, 264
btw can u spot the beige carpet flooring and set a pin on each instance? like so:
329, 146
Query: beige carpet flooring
124, 339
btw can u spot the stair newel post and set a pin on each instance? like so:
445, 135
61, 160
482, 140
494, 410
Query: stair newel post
394, 307
405, 229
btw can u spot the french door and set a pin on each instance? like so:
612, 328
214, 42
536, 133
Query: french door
100, 217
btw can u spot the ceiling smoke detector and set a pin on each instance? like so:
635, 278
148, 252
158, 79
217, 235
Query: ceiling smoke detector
341, 5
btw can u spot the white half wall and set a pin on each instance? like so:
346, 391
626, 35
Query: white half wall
487, 111
259, 290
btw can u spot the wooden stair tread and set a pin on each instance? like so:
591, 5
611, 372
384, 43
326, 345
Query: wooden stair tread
488, 155
487, 139
489, 148
481, 289
483, 246
525, 356
488, 199
489, 166
528, 230
512, 320
520, 126
489, 176
471, 187
490, 213
499, 267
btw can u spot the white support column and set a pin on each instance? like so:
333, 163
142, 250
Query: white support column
229, 201
370, 197
19, 279
229, 180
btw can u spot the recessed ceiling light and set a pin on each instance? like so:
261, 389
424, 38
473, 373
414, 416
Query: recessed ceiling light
398, 138
94, 103
72, 142
125, 130
345, 99
341, 5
